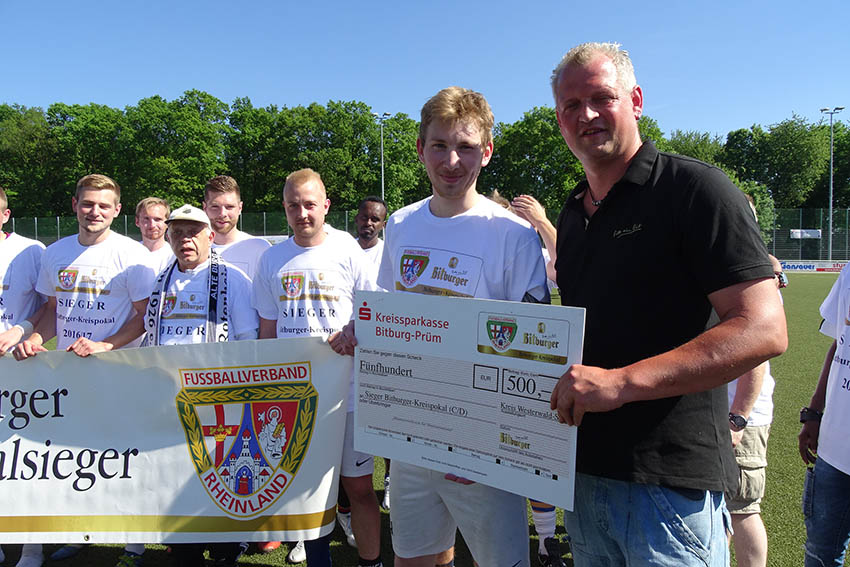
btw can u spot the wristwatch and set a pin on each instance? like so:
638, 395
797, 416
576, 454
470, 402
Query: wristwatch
809, 414
739, 421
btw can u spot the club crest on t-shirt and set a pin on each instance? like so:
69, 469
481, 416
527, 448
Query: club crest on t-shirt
501, 331
247, 431
412, 266
168, 305
293, 283
67, 278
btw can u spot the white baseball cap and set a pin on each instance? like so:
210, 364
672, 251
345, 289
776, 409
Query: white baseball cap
189, 213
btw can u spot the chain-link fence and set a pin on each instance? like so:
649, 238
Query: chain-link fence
801, 234
797, 234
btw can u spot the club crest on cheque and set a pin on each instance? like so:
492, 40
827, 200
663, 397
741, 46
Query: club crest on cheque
247, 430
501, 331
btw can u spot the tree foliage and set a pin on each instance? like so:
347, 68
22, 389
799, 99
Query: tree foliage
170, 148
530, 157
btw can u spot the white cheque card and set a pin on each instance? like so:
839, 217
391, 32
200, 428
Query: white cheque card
463, 385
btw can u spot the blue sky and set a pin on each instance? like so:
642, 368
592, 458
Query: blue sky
705, 66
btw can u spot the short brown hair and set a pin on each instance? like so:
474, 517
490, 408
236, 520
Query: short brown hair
99, 182
4, 201
152, 202
302, 176
222, 184
456, 104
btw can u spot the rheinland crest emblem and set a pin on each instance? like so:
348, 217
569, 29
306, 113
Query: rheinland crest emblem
501, 331
293, 283
168, 305
67, 278
247, 431
412, 266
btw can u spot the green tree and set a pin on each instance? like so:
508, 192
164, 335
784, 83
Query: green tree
650, 130
819, 197
172, 148
699, 145
28, 162
789, 158
530, 157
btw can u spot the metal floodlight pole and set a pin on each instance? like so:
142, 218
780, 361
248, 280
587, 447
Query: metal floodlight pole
831, 113
381, 118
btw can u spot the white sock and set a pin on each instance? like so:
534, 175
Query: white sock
31, 556
544, 523
32, 549
137, 548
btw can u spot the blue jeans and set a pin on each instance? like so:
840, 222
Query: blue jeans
630, 524
826, 509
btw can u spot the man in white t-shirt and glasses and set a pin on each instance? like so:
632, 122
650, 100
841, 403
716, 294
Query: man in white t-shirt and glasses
198, 298
304, 287
97, 285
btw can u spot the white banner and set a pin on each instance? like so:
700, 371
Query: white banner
801, 233
463, 386
821, 266
232, 441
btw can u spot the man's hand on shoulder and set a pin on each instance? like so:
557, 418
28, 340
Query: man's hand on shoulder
344, 341
84, 347
585, 389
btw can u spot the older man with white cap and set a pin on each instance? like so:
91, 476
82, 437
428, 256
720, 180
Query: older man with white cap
198, 298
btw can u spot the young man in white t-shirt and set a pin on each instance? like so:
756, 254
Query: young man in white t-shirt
20, 261
458, 231
223, 205
304, 287
190, 306
97, 285
823, 442
151, 214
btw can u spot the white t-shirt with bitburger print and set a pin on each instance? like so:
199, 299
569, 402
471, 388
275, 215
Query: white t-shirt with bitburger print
95, 285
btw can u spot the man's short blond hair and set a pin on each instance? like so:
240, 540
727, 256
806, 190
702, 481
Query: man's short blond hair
221, 184
4, 200
582, 54
99, 182
302, 176
456, 104
147, 202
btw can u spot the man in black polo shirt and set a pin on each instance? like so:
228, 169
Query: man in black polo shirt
652, 245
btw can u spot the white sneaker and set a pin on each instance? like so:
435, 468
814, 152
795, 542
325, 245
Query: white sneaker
297, 554
344, 521
386, 503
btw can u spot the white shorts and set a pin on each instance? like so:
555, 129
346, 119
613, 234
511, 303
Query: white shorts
354, 463
427, 510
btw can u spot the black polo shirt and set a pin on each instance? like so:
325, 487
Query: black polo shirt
670, 232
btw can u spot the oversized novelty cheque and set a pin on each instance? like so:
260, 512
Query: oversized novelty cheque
232, 441
463, 385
